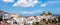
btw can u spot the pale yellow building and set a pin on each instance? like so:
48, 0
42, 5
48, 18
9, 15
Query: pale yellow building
15, 15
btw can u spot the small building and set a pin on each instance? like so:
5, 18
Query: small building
46, 13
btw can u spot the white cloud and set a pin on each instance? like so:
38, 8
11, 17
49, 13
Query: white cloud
43, 5
32, 12
52, 2
49, 3
25, 3
26, 12
8, 0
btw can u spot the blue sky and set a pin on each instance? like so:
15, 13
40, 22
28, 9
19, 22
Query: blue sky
30, 7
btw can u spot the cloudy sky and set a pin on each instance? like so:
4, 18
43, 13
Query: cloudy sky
30, 7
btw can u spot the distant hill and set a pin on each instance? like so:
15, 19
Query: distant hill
1, 12
57, 15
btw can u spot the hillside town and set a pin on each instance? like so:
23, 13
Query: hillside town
45, 18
